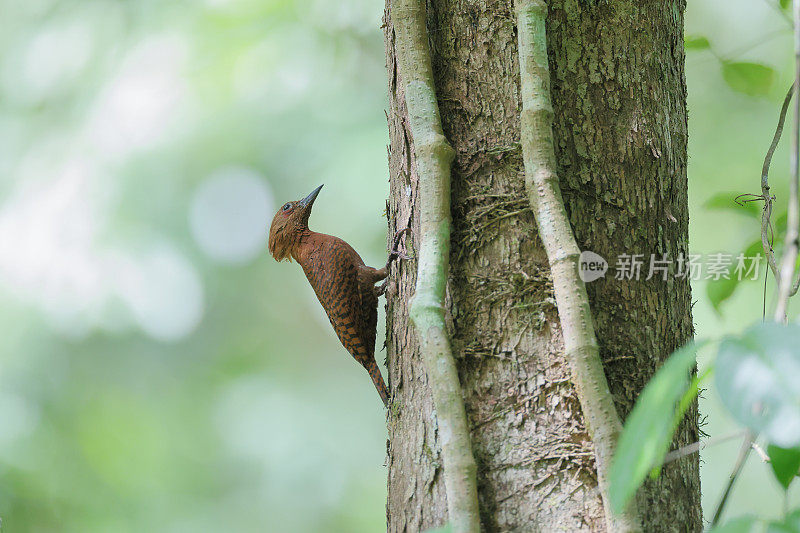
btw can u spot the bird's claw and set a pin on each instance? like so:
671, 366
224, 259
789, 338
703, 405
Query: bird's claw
395, 251
387, 287
400, 255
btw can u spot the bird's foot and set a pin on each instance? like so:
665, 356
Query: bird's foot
395, 252
387, 287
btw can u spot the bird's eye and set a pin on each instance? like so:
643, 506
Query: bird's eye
286, 207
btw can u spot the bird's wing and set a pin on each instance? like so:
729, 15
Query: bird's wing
369, 308
336, 283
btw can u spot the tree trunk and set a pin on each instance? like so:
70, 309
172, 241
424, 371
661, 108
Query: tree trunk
620, 130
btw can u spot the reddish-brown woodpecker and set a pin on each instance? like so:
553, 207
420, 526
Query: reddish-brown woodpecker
344, 285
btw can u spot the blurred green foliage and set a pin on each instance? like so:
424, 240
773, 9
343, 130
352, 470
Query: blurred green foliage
651, 425
730, 130
756, 378
158, 371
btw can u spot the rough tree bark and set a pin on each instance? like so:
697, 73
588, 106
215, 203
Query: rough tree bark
619, 95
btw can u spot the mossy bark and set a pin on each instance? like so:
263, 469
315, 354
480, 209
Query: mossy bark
619, 103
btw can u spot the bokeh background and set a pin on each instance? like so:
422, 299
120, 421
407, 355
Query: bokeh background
158, 370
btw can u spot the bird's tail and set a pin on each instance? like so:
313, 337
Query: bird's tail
377, 379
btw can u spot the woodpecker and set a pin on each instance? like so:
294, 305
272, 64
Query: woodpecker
344, 285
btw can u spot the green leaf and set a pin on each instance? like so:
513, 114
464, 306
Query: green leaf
727, 201
756, 377
753, 79
755, 248
649, 428
745, 524
793, 518
785, 4
792, 522
785, 463
780, 527
780, 224
719, 290
696, 42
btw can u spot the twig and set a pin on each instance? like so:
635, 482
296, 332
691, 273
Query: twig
793, 219
766, 241
761, 453
695, 447
740, 50
747, 445
544, 195
767, 236
433, 155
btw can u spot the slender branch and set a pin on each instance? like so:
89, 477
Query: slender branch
695, 447
793, 220
744, 452
761, 453
544, 194
766, 214
433, 157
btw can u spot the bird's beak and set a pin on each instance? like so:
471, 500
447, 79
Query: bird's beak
308, 201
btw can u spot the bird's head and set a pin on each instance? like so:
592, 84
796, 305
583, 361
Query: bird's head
290, 222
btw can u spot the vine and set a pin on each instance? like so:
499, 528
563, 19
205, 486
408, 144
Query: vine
433, 156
